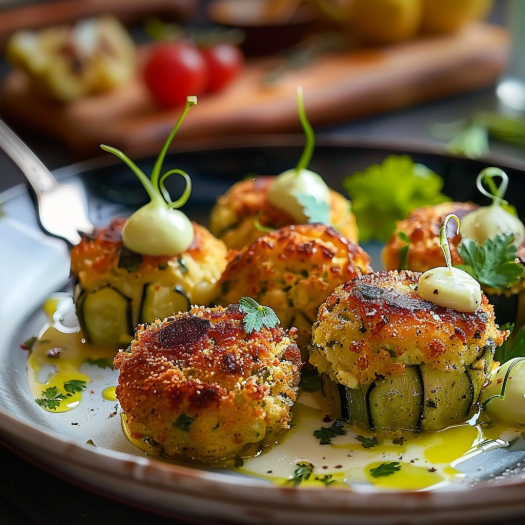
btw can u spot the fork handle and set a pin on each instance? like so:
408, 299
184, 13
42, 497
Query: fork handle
37, 174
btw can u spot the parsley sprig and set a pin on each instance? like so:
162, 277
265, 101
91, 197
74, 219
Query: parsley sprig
52, 396
367, 442
302, 473
385, 469
511, 349
315, 210
325, 434
257, 315
492, 263
385, 193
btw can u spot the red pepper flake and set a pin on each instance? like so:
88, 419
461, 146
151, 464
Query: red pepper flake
54, 352
327, 419
269, 472
92, 391
325, 467
432, 469
338, 466
28, 343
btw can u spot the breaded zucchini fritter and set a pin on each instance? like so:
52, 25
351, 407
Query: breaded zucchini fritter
406, 363
293, 270
422, 228
233, 218
196, 385
116, 289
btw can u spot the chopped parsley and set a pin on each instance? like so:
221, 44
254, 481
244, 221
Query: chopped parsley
325, 434
302, 473
238, 462
129, 260
367, 442
28, 343
184, 422
101, 362
310, 380
257, 316
398, 441
385, 193
52, 396
182, 264
316, 211
385, 469
492, 263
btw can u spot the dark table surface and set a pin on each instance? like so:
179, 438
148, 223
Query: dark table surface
28, 494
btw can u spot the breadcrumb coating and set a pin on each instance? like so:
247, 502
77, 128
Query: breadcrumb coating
198, 386
376, 324
233, 217
422, 228
293, 270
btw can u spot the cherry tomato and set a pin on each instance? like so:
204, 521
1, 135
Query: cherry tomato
224, 63
174, 71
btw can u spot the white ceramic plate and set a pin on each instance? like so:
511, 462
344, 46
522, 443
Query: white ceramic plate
32, 266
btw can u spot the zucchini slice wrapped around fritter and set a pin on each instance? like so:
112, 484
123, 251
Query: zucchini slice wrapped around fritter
293, 270
234, 216
197, 385
116, 289
402, 362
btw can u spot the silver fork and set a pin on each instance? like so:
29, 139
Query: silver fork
61, 208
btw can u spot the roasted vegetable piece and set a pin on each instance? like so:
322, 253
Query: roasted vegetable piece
402, 362
67, 63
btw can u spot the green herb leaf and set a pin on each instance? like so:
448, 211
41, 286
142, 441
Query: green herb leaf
385, 193
101, 362
398, 441
51, 398
28, 343
326, 479
493, 263
310, 380
511, 349
129, 260
182, 264
184, 422
385, 469
257, 316
315, 211
238, 462
325, 434
74, 386
402, 253
367, 442
302, 473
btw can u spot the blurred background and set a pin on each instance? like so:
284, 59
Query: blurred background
77, 73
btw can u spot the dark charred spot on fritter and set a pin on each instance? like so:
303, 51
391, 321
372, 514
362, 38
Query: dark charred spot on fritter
225, 332
204, 396
183, 331
230, 364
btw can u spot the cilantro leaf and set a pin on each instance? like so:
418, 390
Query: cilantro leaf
310, 380
385, 193
51, 398
315, 210
184, 422
74, 386
385, 469
367, 442
325, 434
398, 441
492, 263
101, 362
257, 316
302, 473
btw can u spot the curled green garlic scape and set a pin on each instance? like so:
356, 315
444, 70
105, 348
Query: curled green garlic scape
489, 221
158, 228
294, 187
448, 286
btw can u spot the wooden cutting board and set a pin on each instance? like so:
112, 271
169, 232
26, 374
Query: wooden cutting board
336, 87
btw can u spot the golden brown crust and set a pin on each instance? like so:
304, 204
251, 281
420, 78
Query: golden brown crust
232, 219
376, 324
293, 270
232, 387
422, 228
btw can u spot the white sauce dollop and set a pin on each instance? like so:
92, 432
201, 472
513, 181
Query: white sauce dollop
450, 288
289, 184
